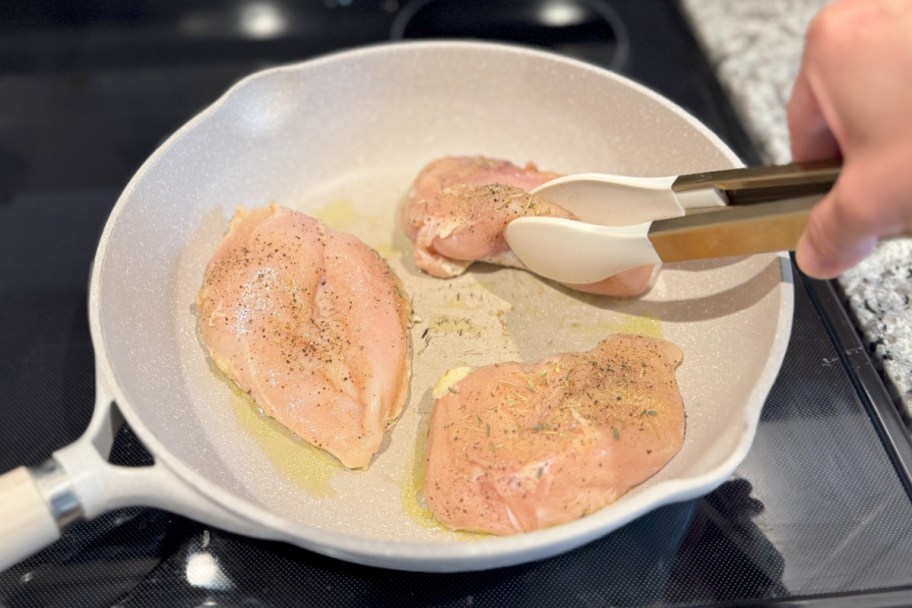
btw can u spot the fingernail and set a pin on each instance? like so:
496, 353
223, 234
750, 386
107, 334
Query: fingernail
804, 255
810, 261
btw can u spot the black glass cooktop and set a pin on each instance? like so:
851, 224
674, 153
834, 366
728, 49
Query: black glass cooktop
819, 514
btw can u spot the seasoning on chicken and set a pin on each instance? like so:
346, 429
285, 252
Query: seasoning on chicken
313, 325
458, 207
516, 447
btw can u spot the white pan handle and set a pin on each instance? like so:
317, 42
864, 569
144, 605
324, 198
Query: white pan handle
26, 521
37, 503
78, 482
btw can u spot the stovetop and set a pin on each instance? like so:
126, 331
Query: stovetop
818, 514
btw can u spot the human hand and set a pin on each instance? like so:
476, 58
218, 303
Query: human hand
853, 97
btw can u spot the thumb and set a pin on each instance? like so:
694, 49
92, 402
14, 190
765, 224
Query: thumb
832, 243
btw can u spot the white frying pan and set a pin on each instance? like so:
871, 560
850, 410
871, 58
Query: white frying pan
341, 137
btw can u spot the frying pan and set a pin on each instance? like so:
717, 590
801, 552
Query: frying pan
341, 137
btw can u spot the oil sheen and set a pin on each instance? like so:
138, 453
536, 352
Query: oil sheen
307, 467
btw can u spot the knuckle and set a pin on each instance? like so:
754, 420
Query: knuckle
855, 212
829, 26
858, 203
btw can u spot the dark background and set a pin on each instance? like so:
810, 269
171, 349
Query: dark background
818, 514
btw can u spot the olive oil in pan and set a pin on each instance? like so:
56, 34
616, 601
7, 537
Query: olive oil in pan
344, 216
339, 215
412, 482
307, 467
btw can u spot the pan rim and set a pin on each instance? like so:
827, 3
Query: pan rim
431, 556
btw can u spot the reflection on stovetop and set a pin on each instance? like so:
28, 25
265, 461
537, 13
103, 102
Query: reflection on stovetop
88, 90
124, 77
590, 31
83, 33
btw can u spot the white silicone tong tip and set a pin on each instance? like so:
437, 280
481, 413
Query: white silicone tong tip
577, 253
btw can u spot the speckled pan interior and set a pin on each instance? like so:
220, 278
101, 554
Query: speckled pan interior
341, 138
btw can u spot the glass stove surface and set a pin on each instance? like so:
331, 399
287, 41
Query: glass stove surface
818, 509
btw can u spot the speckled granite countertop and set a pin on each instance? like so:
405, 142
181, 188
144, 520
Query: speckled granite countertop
755, 47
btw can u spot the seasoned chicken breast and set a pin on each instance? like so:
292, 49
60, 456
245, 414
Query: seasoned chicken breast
458, 207
516, 447
311, 323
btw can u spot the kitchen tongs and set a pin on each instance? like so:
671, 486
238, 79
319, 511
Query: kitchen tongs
765, 210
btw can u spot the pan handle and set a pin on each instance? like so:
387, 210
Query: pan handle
27, 522
78, 482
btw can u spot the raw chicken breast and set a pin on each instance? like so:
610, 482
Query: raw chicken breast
516, 447
312, 324
458, 208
